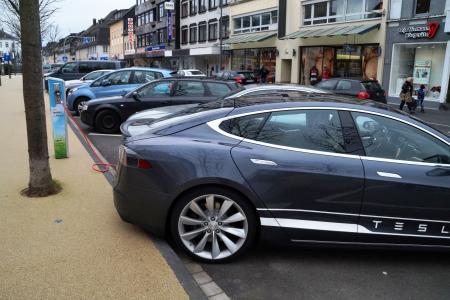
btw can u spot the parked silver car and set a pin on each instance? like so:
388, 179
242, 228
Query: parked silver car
71, 84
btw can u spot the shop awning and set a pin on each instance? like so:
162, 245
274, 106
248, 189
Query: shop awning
248, 38
332, 31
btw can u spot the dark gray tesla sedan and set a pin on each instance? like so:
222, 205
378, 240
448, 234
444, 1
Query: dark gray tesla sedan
314, 169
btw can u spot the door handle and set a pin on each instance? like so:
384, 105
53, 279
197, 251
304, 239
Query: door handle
389, 175
263, 162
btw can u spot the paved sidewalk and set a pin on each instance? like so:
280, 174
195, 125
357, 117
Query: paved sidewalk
72, 245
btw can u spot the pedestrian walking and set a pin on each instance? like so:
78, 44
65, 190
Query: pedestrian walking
406, 95
326, 74
313, 75
421, 97
263, 72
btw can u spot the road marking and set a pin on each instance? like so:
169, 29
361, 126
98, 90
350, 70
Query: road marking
103, 134
438, 124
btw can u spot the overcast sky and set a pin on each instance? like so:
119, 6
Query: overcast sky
77, 15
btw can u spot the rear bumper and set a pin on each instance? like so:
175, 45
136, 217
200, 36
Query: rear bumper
87, 117
139, 202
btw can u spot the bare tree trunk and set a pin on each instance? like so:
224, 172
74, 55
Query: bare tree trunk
41, 183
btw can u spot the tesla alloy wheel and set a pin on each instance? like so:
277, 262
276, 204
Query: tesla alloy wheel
214, 226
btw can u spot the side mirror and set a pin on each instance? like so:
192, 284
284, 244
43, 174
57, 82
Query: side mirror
106, 82
136, 96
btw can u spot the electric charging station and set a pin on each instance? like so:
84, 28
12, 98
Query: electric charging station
59, 118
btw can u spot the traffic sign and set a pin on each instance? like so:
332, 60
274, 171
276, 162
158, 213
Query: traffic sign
65, 58
6, 57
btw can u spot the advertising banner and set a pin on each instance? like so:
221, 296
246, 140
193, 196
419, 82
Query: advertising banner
422, 71
59, 118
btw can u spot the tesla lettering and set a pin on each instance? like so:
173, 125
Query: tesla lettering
422, 228
398, 226
377, 223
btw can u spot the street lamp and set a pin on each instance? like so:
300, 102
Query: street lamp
220, 34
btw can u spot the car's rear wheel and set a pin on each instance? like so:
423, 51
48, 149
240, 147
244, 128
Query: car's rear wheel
213, 224
78, 104
107, 121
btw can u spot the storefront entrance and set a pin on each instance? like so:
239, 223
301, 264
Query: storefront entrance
359, 61
253, 59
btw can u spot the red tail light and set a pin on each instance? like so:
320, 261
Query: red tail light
238, 79
143, 164
363, 95
128, 158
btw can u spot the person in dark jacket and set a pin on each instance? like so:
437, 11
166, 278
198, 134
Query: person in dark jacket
406, 95
263, 72
421, 97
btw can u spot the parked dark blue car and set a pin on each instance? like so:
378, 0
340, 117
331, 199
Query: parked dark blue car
117, 83
315, 169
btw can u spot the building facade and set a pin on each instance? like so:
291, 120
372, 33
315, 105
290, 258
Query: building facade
418, 46
8, 44
336, 38
116, 49
253, 36
155, 34
200, 36
94, 43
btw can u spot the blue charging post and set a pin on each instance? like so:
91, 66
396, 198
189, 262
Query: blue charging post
59, 118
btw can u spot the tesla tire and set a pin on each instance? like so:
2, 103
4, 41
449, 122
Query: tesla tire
213, 224
107, 121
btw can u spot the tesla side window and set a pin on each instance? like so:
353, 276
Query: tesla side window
318, 130
387, 138
247, 127
158, 89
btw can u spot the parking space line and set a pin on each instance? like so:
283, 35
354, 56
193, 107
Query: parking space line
103, 134
438, 124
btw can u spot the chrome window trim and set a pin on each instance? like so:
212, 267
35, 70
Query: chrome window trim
216, 123
274, 88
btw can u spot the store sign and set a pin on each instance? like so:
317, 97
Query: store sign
169, 26
422, 71
169, 5
155, 48
420, 31
130, 30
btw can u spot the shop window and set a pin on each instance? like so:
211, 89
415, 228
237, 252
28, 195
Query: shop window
202, 32
422, 6
424, 62
257, 22
331, 11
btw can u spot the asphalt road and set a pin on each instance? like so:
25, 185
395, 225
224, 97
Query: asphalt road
286, 272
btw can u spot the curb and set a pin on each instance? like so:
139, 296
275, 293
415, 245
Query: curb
176, 264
